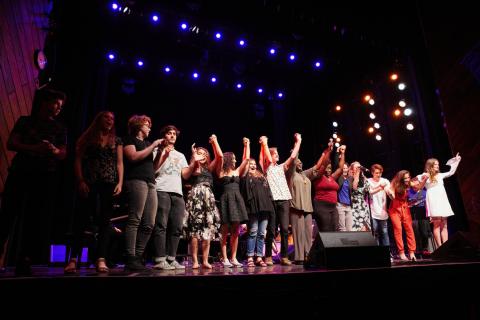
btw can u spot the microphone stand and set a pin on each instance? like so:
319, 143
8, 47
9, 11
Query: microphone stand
369, 208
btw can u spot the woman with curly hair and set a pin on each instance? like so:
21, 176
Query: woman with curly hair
202, 219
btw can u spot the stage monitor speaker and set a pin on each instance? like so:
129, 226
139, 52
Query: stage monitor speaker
347, 250
460, 246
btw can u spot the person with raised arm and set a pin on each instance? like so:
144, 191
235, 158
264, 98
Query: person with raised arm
281, 195
203, 219
232, 206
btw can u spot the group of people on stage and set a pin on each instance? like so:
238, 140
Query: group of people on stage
266, 195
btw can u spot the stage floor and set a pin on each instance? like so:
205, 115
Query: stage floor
446, 289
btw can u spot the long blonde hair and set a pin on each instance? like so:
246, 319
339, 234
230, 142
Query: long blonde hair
92, 135
429, 169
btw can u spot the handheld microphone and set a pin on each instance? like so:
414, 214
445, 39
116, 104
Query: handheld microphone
364, 169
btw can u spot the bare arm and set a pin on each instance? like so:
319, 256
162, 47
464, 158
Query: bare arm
132, 155
265, 158
83, 187
246, 156
194, 164
339, 170
293, 155
118, 187
217, 153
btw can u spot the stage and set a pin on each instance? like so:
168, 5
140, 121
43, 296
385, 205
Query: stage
425, 287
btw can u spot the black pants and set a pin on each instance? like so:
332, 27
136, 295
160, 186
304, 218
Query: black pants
92, 220
281, 216
421, 228
325, 215
26, 215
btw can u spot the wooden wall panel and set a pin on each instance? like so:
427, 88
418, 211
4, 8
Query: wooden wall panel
22, 31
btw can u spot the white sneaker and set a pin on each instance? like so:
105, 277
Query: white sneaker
163, 265
175, 265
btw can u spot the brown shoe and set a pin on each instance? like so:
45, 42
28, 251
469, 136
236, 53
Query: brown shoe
285, 262
269, 261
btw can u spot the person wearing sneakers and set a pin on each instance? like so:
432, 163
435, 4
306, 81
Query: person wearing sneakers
281, 195
379, 188
139, 188
169, 171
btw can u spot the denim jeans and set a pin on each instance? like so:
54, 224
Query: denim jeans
142, 204
257, 226
380, 227
168, 223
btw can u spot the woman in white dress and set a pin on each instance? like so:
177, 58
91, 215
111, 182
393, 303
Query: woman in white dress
438, 206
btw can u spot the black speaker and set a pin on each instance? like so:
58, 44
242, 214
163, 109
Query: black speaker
345, 250
460, 246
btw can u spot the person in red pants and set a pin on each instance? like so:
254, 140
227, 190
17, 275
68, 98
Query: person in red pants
400, 215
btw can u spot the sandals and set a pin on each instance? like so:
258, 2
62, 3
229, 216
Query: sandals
101, 269
250, 262
260, 262
71, 267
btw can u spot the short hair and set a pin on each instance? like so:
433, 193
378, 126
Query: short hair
166, 129
136, 122
42, 96
376, 166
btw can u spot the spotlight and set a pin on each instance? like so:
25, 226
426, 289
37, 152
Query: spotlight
291, 57
195, 75
397, 113
376, 125
393, 76
338, 108
337, 144
111, 56
402, 103
167, 69
114, 6
378, 137
367, 98
241, 43
401, 86
239, 86
155, 18
335, 124
183, 26
140, 63
317, 64
372, 115
407, 112
338, 139
370, 130
260, 90
409, 127
371, 102
334, 136
280, 95
272, 51
218, 36
213, 79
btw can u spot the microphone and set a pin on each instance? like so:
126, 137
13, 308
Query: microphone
364, 169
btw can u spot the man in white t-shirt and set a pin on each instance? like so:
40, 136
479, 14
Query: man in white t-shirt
379, 187
169, 172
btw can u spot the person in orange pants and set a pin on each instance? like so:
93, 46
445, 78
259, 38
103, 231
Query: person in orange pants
399, 213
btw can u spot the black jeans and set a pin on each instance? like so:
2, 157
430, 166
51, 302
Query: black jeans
281, 216
168, 223
94, 214
325, 215
421, 228
26, 215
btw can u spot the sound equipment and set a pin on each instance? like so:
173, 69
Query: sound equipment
345, 250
